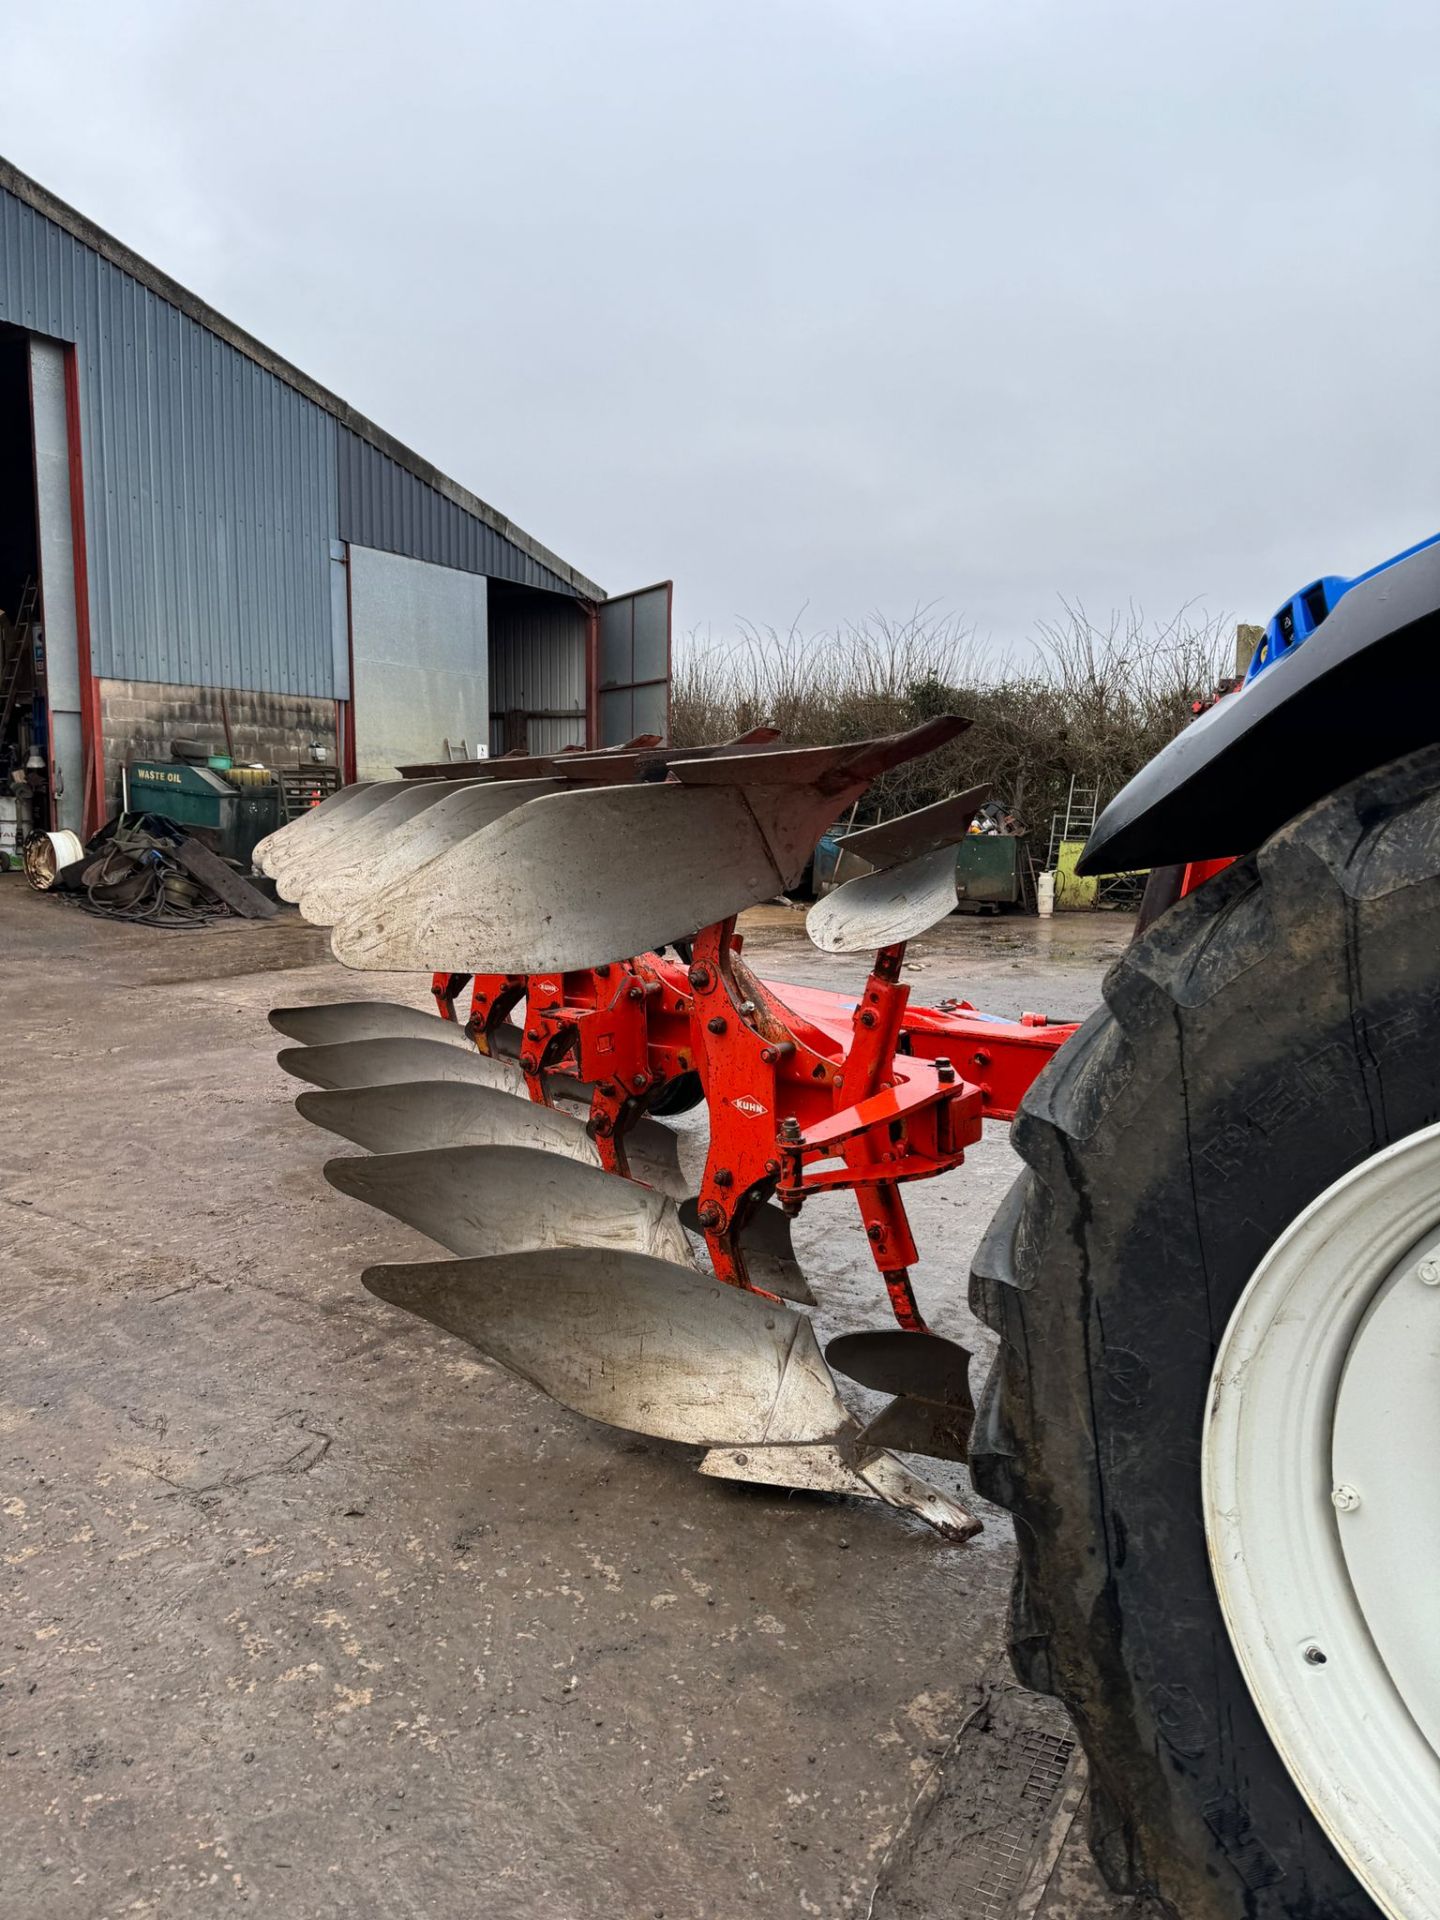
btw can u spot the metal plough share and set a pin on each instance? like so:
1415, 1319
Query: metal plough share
587, 904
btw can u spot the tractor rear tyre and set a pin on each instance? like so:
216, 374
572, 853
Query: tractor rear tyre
1266, 1036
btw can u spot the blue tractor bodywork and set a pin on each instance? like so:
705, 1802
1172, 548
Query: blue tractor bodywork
1303, 612
1346, 678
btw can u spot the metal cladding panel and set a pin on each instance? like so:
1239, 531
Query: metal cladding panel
384, 506
210, 485
217, 476
628, 711
541, 736
549, 736
635, 664
537, 667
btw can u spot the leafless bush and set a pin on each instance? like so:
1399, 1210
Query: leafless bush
1091, 701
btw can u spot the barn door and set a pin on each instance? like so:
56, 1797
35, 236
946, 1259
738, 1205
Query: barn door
633, 671
71, 756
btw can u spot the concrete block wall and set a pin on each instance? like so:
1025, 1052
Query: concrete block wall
139, 719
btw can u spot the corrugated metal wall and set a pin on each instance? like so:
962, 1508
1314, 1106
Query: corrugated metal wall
537, 667
382, 505
214, 488
210, 486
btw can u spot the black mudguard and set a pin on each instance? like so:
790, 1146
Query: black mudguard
1362, 690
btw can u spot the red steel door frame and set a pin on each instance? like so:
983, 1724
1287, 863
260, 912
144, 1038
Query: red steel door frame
345, 709
592, 673
92, 735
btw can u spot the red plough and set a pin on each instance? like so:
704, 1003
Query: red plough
807, 1091
574, 1266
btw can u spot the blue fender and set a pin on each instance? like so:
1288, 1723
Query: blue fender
1346, 678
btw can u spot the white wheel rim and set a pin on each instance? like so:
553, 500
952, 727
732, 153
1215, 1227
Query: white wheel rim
1321, 1482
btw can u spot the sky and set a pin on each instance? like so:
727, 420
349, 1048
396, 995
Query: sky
819, 308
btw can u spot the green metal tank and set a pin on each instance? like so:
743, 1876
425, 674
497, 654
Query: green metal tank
236, 815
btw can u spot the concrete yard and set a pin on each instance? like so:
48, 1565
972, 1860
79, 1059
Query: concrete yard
310, 1611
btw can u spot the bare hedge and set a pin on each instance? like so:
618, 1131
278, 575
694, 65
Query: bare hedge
1090, 700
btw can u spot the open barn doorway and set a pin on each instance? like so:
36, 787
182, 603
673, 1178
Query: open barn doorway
48, 739
24, 756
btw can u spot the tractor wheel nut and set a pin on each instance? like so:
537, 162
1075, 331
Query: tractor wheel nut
1344, 1499
1428, 1273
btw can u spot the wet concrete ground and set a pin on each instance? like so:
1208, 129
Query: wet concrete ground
309, 1610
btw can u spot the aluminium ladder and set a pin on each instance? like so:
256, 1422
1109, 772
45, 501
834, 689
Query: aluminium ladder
11, 669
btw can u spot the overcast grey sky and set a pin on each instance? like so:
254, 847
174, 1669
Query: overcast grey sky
854, 305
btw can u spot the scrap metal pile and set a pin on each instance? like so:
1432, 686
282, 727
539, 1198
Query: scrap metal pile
587, 904
143, 867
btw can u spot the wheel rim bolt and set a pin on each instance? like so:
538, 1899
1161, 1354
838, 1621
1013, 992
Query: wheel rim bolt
1428, 1273
1344, 1498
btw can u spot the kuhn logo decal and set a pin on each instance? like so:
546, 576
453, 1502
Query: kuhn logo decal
747, 1103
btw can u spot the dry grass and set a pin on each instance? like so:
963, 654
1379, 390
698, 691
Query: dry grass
1091, 701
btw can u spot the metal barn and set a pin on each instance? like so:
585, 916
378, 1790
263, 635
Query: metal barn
198, 539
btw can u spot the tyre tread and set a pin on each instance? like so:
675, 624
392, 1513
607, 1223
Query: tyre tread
1213, 951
